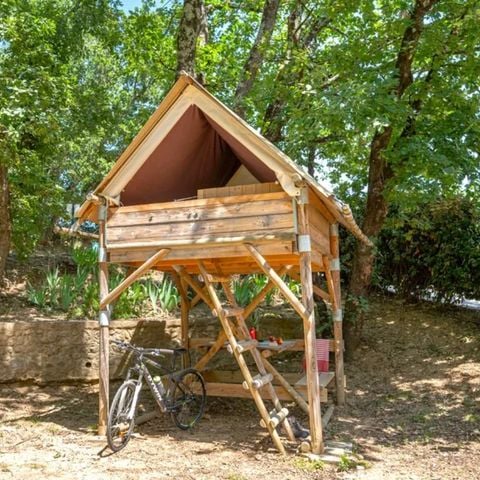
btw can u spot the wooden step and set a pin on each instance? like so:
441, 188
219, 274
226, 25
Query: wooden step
276, 418
259, 381
243, 346
232, 311
324, 378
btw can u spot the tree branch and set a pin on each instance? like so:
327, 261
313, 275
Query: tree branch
257, 52
192, 24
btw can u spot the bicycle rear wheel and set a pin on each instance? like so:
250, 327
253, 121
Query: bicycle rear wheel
187, 399
120, 426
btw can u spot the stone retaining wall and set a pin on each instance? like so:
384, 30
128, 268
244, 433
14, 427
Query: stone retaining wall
57, 351
43, 351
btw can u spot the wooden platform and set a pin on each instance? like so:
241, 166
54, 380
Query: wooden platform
214, 230
228, 383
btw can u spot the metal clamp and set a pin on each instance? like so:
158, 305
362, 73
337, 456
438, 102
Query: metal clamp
102, 212
304, 244
102, 255
335, 265
337, 315
104, 318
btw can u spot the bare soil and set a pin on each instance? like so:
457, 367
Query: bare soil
413, 412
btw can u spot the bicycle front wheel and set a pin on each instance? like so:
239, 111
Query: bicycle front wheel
187, 399
121, 418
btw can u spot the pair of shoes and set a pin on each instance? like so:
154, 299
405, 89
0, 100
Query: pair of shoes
298, 430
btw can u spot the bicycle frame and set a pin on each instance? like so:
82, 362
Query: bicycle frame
143, 373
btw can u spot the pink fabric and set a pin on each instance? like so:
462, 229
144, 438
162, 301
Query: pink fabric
322, 346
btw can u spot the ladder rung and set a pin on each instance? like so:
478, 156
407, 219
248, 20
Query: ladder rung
232, 311
243, 346
229, 311
276, 418
259, 381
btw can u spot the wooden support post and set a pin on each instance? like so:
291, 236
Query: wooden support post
304, 248
337, 314
117, 291
196, 287
104, 322
184, 314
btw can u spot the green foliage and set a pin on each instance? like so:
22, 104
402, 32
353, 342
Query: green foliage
247, 287
78, 293
309, 465
433, 250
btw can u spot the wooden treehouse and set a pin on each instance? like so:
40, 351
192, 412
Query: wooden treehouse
203, 196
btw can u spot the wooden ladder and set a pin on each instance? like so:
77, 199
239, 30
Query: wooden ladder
240, 343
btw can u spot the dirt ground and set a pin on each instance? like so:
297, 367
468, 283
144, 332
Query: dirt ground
413, 412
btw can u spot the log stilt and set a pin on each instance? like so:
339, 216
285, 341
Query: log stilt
337, 315
304, 247
104, 322
184, 314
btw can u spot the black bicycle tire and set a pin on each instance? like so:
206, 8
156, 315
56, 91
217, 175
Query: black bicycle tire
112, 420
200, 399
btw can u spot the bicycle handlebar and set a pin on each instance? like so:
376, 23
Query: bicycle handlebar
159, 352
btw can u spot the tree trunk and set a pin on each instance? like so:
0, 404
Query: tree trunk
192, 24
5, 224
257, 53
380, 173
301, 34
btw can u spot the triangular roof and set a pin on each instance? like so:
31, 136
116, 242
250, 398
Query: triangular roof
193, 141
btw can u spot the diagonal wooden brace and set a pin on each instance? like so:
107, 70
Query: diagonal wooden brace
117, 291
277, 280
196, 287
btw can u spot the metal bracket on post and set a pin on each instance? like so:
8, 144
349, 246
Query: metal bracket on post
302, 198
334, 264
104, 318
102, 255
102, 212
334, 229
337, 315
304, 243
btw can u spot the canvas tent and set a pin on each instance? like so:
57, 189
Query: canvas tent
200, 192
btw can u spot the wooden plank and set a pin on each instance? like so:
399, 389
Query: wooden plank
248, 189
224, 227
320, 206
196, 203
295, 345
317, 220
235, 238
324, 379
117, 291
191, 253
320, 241
236, 390
158, 213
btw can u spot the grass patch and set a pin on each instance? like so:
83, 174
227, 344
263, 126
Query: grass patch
308, 465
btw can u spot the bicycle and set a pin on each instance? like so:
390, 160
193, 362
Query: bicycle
180, 393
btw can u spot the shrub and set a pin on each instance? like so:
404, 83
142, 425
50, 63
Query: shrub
433, 251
